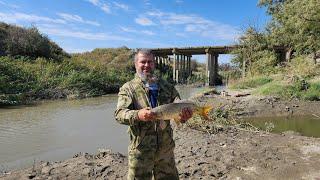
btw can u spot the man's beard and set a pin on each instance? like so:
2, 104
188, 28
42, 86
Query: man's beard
148, 77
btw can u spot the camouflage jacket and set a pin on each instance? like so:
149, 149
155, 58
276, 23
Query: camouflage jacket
133, 96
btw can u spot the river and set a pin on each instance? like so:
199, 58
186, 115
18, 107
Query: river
56, 130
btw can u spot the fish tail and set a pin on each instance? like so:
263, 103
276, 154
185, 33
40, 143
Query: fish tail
205, 112
177, 121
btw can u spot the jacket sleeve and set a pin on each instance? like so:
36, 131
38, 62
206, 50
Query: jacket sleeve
125, 112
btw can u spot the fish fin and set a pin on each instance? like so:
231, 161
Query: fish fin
177, 121
183, 101
205, 112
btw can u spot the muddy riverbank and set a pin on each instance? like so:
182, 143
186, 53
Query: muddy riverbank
228, 154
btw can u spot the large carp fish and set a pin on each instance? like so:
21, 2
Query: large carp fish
172, 111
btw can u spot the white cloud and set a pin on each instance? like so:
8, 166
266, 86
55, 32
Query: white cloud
109, 7
94, 2
147, 2
121, 6
144, 21
195, 24
81, 35
77, 50
15, 17
148, 32
214, 30
106, 8
126, 29
9, 5
176, 19
76, 18
131, 30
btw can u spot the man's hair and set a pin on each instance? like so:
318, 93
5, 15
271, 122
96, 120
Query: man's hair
147, 52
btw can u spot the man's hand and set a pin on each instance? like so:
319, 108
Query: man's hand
185, 114
145, 114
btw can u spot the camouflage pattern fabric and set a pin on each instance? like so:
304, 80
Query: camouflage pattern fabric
151, 148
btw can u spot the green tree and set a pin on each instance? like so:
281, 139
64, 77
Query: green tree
254, 54
295, 24
18, 41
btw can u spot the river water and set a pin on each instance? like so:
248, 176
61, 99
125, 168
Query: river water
304, 125
56, 130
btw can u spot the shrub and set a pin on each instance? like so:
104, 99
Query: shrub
18, 41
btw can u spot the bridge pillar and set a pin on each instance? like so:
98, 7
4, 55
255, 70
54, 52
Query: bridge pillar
183, 68
189, 65
211, 68
174, 67
178, 69
215, 68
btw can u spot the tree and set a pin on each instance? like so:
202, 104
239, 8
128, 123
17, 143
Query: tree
15, 40
295, 24
254, 54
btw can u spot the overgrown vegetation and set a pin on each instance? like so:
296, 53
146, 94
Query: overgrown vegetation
22, 81
220, 119
28, 42
295, 28
33, 67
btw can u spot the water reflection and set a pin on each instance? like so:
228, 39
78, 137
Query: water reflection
305, 125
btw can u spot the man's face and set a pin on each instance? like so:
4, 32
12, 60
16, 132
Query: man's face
144, 64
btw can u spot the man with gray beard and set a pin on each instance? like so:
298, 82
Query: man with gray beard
151, 142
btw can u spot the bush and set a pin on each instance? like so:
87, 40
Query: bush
302, 66
44, 79
17, 41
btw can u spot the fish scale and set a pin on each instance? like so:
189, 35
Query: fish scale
172, 111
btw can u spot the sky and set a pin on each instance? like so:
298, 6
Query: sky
83, 25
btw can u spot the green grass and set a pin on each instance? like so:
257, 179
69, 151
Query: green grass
251, 82
311, 91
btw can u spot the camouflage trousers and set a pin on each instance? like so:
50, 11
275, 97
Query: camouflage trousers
147, 162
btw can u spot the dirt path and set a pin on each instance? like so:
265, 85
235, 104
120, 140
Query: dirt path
229, 154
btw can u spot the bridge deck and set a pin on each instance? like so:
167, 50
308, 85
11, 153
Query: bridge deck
193, 50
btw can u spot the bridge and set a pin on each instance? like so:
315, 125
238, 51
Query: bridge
180, 60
